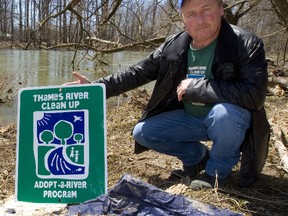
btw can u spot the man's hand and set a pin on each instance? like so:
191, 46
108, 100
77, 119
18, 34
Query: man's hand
182, 87
80, 79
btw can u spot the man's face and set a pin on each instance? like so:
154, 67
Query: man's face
202, 20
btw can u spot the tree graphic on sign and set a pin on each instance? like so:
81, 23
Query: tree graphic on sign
46, 136
78, 137
63, 131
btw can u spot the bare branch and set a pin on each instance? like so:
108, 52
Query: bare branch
118, 3
69, 7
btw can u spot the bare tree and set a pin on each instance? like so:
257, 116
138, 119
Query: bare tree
281, 9
235, 10
21, 33
27, 25
12, 20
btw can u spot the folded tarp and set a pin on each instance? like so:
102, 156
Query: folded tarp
132, 196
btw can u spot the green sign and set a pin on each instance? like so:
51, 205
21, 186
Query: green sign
61, 145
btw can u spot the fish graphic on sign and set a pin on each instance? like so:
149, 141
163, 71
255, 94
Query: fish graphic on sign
61, 147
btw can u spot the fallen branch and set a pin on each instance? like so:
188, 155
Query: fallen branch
276, 90
120, 47
70, 45
278, 143
280, 80
116, 46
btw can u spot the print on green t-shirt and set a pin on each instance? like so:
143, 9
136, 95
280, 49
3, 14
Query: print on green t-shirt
199, 66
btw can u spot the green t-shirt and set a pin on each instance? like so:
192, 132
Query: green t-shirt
199, 65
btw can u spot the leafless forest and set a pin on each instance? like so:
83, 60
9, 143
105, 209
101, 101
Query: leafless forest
114, 25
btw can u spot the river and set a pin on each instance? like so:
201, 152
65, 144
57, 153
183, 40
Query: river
48, 68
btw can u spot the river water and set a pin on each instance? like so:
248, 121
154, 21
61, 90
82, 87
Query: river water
48, 68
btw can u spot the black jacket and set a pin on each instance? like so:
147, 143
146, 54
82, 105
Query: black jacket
240, 77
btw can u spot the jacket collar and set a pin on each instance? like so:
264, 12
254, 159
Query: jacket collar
178, 47
226, 48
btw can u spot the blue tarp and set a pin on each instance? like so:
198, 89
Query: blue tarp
132, 196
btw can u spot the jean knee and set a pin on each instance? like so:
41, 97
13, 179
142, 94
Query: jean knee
228, 114
137, 133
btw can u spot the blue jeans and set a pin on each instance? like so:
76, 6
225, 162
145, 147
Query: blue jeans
178, 134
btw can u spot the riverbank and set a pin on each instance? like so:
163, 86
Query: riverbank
8, 45
267, 197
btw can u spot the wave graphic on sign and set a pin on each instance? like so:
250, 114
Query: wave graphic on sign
58, 165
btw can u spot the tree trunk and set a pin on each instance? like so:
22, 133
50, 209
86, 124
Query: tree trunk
281, 8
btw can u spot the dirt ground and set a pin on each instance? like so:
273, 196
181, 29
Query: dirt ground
269, 196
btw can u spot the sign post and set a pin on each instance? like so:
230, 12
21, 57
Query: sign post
61, 144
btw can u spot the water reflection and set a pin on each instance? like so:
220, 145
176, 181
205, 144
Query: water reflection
48, 68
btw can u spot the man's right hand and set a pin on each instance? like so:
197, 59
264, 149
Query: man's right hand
80, 79
182, 87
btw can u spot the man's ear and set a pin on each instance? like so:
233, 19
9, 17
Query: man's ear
222, 11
